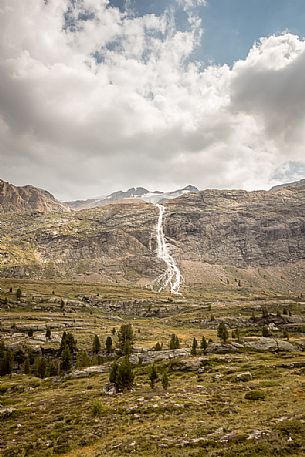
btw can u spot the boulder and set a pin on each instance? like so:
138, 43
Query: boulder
110, 388
244, 377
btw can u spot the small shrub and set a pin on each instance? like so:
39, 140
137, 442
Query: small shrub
255, 395
97, 408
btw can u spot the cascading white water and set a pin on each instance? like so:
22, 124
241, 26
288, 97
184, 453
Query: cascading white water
172, 275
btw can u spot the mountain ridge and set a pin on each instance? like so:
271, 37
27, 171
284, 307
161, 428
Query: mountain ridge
28, 198
137, 193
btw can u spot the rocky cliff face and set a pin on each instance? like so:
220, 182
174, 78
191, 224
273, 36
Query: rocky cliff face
217, 237
239, 228
27, 198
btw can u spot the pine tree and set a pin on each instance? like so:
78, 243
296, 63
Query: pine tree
158, 347
66, 359
82, 360
194, 347
203, 344
40, 367
165, 380
126, 338
113, 372
68, 340
121, 375
174, 342
48, 334
26, 366
222, 332
54, 368
96, 345
108, 345
153, 376
18, 293
6, 362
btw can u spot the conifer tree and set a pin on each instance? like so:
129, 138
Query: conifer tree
96, 345
40, 366
26, 366
153, 376
113, 372
165, 380
121, 374
66, 359
174, 342
108, 345
194, 347
68, 340
203, 344
6, 362
158, 346
126, 338
82, 360
222, 332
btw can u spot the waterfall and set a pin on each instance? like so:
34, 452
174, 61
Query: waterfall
172, 276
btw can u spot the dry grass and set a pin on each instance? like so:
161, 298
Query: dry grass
201, 414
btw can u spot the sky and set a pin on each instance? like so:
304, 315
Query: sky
97, 95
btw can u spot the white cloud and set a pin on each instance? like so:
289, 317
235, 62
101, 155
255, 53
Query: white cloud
189, 4
92, 99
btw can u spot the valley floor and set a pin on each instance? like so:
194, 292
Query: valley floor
242, 398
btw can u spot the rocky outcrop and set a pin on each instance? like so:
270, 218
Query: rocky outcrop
27, 198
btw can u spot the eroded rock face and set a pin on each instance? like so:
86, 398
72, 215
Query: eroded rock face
213, 235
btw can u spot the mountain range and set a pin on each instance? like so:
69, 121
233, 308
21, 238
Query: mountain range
29, 198
220, 238
139, 193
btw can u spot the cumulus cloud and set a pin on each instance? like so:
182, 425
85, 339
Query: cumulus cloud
93, 99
